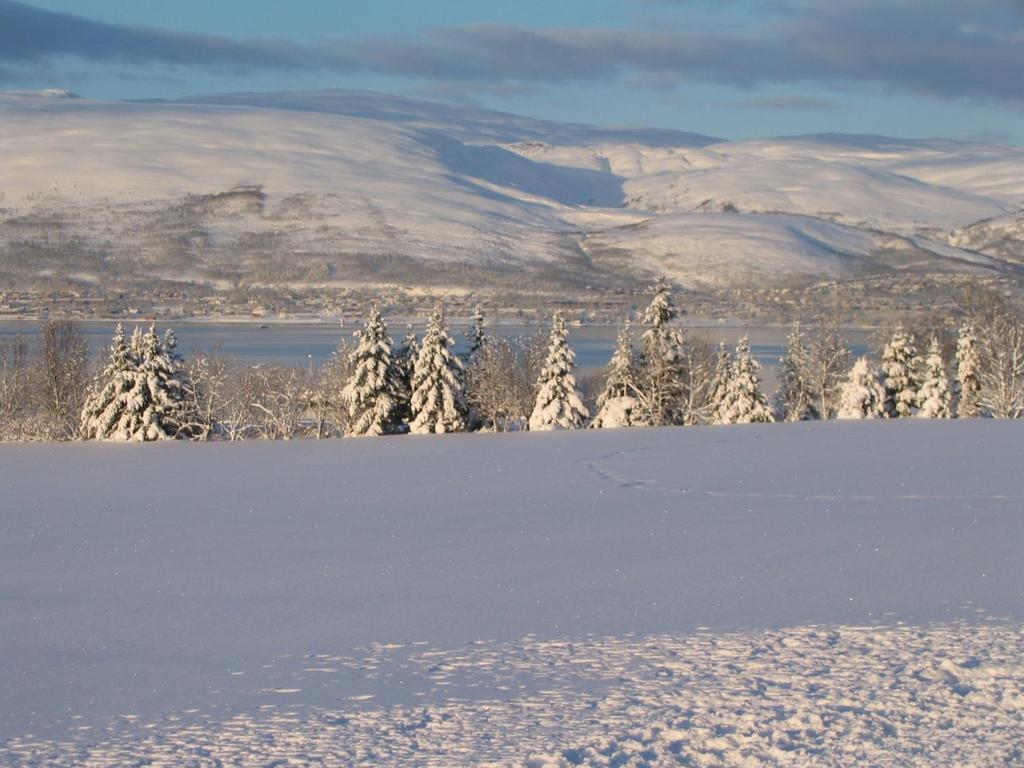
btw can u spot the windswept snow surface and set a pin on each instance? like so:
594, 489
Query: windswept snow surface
827, 594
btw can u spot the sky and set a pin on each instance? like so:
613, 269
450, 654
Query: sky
725, 68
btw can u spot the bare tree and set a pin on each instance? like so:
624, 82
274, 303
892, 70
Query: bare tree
239, 418
998, 323
698, 357
1001, 364
534, 350
15, 388
500, 384
825, 364
61, 377
282, 397
794, 401
208, 377
326, 404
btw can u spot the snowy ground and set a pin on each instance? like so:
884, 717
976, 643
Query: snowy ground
832, 594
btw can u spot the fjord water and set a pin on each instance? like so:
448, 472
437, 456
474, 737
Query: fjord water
303, 344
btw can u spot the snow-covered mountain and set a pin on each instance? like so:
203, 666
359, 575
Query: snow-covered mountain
343, 186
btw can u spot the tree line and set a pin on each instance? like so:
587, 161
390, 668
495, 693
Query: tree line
146, 391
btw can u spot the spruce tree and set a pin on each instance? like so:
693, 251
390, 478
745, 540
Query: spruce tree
106, 406
476, 334
968, 383
164, 416
141, 394
661, 368
438, 402
742, 401
862, 395
794, 400
405, 359
720, 385
899, 365
617, 405
558, 404
373, 392
934, 396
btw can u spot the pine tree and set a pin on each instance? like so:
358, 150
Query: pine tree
743, 402
862, 395
968, 383
373, 392
558, 404
661, 375
934, 396
794, 400
617, 404
476, 334
899, 365
438, 402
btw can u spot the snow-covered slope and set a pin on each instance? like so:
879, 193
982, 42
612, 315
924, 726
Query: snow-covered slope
337, 185
829, 593
1002, 237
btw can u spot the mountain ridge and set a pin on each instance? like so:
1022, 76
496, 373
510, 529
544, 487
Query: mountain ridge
356, 187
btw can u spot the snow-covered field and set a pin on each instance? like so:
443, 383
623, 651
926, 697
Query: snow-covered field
817, 594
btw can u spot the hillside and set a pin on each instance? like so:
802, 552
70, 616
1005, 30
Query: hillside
594, 597
337, 188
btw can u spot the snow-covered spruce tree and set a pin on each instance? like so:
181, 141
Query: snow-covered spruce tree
141, 394
405, 359
794, 401
476, 334
660, 377
862, 395
743, 402
968, 383
106, 405
934, 399
373, 392
438, 402
617, 405
163, 389
899, 366
720, 385
558, 404
408, 352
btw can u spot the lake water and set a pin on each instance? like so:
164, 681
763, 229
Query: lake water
305, 344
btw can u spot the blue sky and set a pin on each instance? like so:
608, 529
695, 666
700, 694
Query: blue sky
731, 68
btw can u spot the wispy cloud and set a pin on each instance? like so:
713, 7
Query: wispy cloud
941, 48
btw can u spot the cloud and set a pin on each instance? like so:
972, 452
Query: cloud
940, 48
29, 36
794, 103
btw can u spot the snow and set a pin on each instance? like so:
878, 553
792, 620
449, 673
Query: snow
722, 249
833, 593
361, 173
